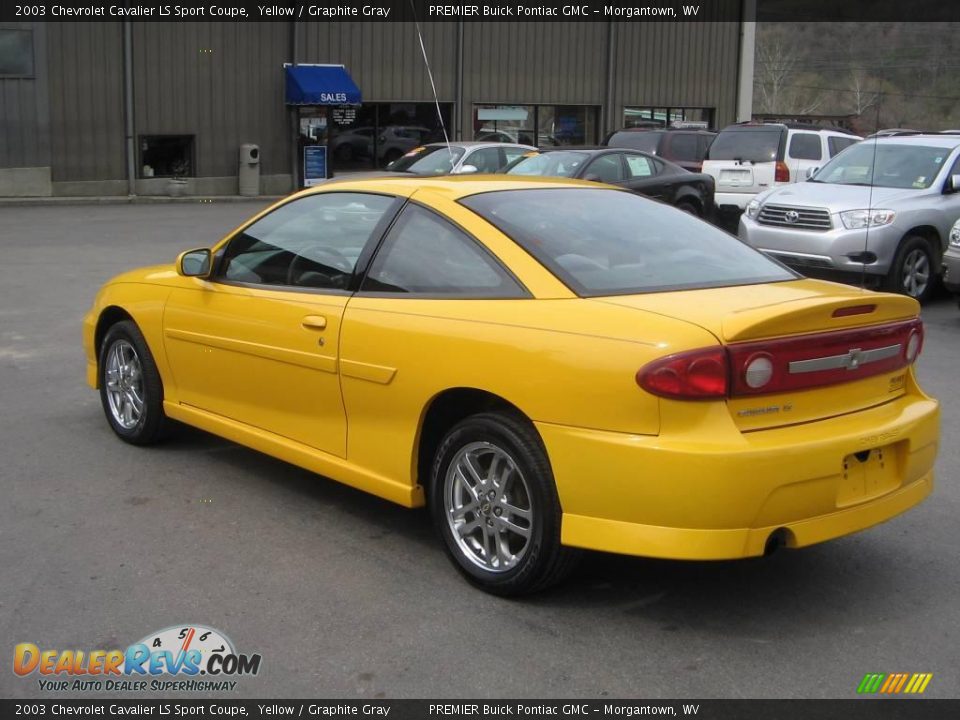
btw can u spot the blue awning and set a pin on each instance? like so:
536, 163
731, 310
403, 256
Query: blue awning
321, 85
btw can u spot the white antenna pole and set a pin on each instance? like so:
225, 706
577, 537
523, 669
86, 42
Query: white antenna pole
433, 86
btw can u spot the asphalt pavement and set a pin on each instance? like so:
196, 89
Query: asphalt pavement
345, 595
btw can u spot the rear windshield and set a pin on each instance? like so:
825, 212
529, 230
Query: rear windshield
760, 145
551, 164
610, 242
428, 160
645, 141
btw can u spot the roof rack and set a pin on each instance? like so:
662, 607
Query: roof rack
800, 126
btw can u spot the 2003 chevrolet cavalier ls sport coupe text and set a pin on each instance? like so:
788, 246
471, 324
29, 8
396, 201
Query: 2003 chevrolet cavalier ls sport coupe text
547, 364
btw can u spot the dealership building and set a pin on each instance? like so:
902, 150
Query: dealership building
124, 108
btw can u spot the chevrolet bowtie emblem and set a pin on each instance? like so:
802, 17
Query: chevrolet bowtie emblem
853, 359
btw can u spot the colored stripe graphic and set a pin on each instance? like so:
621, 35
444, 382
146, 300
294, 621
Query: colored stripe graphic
894, 683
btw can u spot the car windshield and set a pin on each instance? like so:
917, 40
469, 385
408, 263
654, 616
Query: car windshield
760, 145
885, 165
431, 160
611, 242
645, 141
551, 164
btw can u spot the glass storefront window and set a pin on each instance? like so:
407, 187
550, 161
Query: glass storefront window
375, 134
539, 125
667, 117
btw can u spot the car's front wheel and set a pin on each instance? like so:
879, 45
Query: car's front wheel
914, 269
130, 387
494, 502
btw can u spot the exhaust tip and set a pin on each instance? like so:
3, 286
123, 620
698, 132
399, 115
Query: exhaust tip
779, 538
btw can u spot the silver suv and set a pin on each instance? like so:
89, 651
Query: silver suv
883, 207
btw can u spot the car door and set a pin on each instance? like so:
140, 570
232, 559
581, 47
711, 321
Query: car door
644, 176
804, 151
258, 341
427, 277
606, 168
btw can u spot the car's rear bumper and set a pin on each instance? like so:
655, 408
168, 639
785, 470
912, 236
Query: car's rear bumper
716, 493
727, 201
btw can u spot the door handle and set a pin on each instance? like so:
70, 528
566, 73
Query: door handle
314, 322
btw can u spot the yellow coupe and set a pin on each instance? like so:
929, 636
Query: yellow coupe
548, 365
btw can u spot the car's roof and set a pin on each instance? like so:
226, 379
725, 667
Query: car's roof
476, 143
931, 140
454, 186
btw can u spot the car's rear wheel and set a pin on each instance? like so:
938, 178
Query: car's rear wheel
913, 271
130, 387
493, 501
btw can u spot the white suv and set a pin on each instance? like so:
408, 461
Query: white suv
748, 158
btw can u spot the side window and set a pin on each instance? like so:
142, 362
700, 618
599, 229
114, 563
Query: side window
837, 144
683, 146
312, 242
512, 153
703, 144
423, 253
486, 160
805, 146
608, 168
639, 167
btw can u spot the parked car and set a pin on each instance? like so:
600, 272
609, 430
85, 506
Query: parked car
461, 157
685, 147
395, 140
642, 173
883, 208
547, 365
951, 261
748, 158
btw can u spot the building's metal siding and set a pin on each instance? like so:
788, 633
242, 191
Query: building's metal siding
233, 94
221, 82
385, 59
550, 62
24, 117
676, 65
86, 108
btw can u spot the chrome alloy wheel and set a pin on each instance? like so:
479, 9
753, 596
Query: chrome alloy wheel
488, 507
916, 273
123, 376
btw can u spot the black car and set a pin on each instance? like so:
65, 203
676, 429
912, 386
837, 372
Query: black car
640, 172
684, 146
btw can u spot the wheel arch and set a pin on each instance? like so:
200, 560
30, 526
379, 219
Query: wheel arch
109, 316
930, 233
446, 409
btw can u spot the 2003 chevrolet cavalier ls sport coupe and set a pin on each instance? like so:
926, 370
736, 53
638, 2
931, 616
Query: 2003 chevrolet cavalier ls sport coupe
548, 365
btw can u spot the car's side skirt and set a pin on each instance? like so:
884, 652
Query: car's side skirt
298, 454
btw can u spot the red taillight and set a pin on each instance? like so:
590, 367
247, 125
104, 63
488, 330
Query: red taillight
782, 365
824, 359
694, 375
782, 173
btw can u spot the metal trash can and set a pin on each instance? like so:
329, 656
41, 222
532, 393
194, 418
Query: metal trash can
249, 174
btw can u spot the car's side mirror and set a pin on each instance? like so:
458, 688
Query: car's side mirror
467, 170
952, 185
593, 177
194, 263
812, 171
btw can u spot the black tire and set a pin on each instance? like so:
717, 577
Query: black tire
151, 424
689, 207
912, 248
543, 561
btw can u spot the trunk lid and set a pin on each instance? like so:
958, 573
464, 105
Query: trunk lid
826, 320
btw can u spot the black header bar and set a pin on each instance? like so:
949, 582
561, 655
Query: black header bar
669, 11
887, 709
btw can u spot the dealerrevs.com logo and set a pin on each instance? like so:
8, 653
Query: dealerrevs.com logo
185, 657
